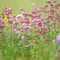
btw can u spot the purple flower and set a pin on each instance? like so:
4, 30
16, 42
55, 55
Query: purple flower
58, 38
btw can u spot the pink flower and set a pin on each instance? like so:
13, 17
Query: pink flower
7, 13
11, 41
17, 31
14, 22
10, 9
23, 37
1, 26
33, 5
37, 42
26, 46
18, 16
30, 44
58, 38
41, 18
48, 1
51, 4
48, 40
21, 8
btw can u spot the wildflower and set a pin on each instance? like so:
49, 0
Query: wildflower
7, 13
51, 4
48, 1
40, 23
1, 26
18, 16
11, 41
6, 20
33, 5
6, 24
14, 22
10, 9
17, 31
21, 8
48, 40
58, 38
37, 42
26, 46
23, 37
30, 44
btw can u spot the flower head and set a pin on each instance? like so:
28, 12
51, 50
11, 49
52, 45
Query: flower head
58, 38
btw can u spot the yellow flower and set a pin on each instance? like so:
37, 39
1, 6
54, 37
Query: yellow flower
5, 15
5, 22
5, 18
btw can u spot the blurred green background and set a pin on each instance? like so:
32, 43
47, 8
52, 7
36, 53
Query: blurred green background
17, 4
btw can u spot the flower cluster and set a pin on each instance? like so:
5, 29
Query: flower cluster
29, 34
